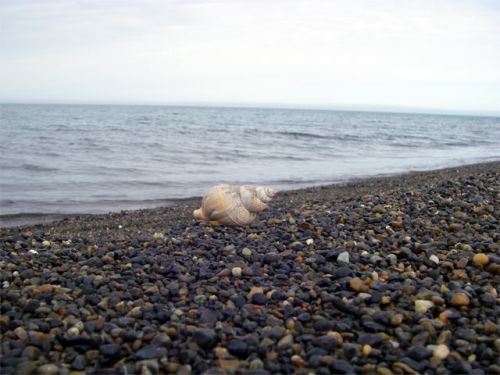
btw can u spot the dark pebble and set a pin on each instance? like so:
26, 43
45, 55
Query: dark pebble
370, 339
259, 299
340, 366
150, 352
419, 353
205, 338
327, 343
237, 347
342, 272
110, 350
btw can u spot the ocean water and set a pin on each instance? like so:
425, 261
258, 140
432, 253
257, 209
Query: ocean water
75, 159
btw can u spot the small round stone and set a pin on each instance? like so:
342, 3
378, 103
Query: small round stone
490, 327
356, 284
205, 338
298, 361
246, 252
73, 331
460, 299
48, 369
434, 258
237, 347
236, 271
259, 299
441, 351
422, 305
343, 257
480, 259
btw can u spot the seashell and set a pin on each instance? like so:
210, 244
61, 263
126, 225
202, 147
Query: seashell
233, 204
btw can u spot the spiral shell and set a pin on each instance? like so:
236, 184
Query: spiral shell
234, 205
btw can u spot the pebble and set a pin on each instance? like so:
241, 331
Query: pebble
21, 333
246, 252
490, 327
285, 342
256, 364
237, 347
361, 278
259, 299
422, 306
441, 351
48, 369
298, 361
110, 350
343, 257
356, 284
434, 258
150, 352
460, 299
480, 259
236, 271
205, 338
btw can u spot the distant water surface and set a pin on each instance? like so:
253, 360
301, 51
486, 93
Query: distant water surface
62, 159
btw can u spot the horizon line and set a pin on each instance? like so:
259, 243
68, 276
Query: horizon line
248, 105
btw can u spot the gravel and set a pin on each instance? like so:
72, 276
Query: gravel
393, 275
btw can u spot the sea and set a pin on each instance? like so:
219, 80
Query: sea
58, 160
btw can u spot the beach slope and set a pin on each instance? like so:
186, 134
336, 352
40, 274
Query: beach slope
393, 275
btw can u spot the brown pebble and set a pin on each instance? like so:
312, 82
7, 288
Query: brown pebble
444, 337
356, 284
490, 327
481, 259
221, 353
396, 224
460, 299
384, 371
229, 363
455, 227
462, 262
404, 367
397, 319
298, 361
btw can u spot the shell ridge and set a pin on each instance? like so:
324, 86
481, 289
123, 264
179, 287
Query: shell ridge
233, 204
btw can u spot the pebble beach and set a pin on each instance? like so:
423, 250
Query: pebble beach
390, 275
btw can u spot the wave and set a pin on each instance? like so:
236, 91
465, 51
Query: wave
38, 168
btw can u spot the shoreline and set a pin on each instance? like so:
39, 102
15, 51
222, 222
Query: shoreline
387, 276
20, 220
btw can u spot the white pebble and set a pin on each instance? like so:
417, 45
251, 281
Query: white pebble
246, 252
46, 243
73, 331
236, 271
343, 257
441, 351
309, 241
434, 258
422, 305
32, 251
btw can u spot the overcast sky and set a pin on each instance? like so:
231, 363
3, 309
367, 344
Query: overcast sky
347, 53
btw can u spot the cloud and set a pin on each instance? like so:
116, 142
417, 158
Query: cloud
422, 53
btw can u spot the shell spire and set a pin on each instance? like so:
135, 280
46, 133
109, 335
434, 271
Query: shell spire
233, 205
